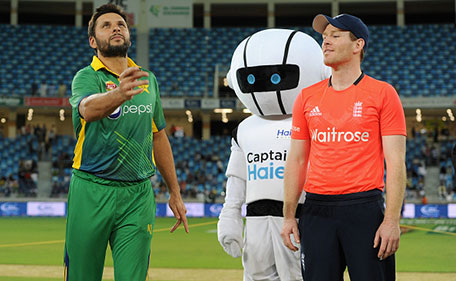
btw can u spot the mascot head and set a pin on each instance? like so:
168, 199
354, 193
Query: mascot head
270, 68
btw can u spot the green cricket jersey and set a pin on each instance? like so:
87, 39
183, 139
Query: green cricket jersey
119, 146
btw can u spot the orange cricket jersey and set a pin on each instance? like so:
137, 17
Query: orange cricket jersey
345, 130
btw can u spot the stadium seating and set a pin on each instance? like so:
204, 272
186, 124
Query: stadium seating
12, 151
205, 160
200, 164
418, 60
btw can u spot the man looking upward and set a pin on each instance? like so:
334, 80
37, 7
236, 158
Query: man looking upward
119, 124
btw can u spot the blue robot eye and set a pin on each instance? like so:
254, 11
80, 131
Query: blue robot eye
251, 79
275, 78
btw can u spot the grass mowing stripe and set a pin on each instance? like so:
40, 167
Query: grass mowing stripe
430, 230
190, 226
32, 243
62, 241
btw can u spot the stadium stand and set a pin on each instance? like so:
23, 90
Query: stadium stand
418, 60
18, 160
201, 164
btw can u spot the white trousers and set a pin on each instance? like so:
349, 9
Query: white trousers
265, 257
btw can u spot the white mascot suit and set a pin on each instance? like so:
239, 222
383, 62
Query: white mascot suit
268, 70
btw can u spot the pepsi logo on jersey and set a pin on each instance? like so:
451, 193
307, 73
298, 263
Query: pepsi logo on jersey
131, 109
116, 114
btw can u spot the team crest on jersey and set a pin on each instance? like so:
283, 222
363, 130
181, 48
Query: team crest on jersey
358, 109
115, 114
110, 86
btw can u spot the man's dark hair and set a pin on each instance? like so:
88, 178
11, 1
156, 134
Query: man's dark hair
104, 9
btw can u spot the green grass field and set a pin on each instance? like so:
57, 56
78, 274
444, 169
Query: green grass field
40, 241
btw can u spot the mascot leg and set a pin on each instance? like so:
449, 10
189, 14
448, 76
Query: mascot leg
258, 256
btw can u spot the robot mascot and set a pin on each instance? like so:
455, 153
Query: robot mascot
268, 70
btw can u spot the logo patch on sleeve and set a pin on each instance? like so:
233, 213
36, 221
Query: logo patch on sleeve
110, 86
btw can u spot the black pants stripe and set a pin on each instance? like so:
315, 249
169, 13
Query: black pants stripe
338, 231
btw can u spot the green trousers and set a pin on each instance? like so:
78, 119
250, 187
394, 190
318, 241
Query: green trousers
102, 211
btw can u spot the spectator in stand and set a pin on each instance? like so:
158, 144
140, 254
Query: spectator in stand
43, 89
179, 133
442, 174
12, 185
51, 135
424, 200
420, 186
436, 134
445, 132
434, 155
52, 90
27, 177
34, 89
421, 170
172, 130
4, 187
442, 191
22, 183
449, 180
55, 188
61, 90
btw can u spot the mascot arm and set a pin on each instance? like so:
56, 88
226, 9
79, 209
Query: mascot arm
230, 225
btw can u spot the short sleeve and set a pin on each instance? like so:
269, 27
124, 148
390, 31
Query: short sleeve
84, 83
159, 122
299, 128
392, 118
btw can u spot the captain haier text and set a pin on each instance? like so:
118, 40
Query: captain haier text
266, 165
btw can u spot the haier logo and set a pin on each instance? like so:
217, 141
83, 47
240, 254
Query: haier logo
265, 173
331, 135
283, 134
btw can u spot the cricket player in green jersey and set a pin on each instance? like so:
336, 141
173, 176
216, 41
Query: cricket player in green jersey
119, 124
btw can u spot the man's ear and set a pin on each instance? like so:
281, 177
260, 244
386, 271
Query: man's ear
359, 46
92, 42
360, 43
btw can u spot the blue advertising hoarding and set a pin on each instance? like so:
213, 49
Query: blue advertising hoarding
431, 211
58, 209
13, 209
212, 210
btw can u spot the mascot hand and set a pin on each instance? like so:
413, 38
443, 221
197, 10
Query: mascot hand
229, 233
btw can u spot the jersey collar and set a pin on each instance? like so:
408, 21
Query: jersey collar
354, 83
97, 64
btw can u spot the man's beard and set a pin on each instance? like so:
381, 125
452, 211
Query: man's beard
108, 51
